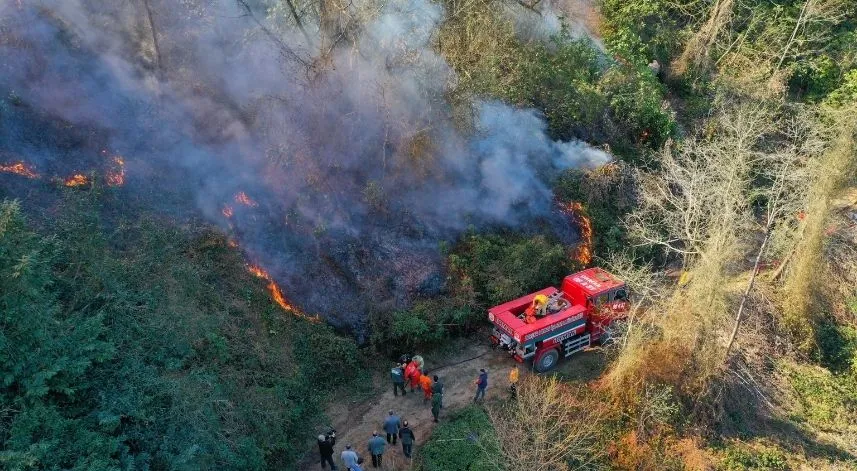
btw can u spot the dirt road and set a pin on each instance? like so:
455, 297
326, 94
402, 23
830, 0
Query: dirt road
355, 423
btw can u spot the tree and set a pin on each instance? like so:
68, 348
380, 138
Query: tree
548, 427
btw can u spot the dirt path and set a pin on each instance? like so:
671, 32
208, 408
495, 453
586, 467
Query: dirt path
356, 422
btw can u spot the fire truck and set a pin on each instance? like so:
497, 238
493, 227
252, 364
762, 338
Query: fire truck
586, 310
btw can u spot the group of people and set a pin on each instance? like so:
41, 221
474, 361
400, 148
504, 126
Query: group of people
394, 427
407, 372
410, 371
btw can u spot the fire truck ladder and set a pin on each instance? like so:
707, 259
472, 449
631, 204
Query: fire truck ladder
575, 344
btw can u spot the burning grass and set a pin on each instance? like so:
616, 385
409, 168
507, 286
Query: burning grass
19, 168
242, 198
77, 179
583, 252
277, 294
116, 175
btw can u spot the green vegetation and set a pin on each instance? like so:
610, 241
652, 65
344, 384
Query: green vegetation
150, 346
756, 459
483, 270
582, 93
465, 440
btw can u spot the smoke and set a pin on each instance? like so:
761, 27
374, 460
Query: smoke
353, 161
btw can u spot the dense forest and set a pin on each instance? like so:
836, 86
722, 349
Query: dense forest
220, 218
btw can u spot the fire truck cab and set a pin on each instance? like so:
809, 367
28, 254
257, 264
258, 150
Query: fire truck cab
581, 313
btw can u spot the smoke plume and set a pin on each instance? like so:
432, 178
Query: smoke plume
328, 150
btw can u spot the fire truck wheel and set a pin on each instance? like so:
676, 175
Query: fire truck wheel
546, 360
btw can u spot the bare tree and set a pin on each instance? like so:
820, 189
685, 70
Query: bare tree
784, 171
697, 49
548, 427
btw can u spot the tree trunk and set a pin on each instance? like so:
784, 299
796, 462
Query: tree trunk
154, 37
752, 282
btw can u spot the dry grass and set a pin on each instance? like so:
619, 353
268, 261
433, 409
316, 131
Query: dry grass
550, 427
802, 275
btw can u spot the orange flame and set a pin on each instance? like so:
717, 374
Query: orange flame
227, 211
77, 179
277, 294
242, 198
583, 251
232, 243
19, 168
116, 176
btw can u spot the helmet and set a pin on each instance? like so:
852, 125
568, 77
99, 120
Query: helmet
321, 438
540, 299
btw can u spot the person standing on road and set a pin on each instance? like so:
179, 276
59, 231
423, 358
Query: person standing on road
481, 384
437, 397
408, 438
397, 374
391, 426
325, 449
425, 384
350, 459
514, 376
376, 448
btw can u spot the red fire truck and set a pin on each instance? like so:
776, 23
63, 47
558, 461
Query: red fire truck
584, 312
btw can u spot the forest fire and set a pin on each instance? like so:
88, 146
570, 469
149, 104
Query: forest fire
19, 168
583, 251
227, 211
242, 198
116, 176
77, 179
277, 293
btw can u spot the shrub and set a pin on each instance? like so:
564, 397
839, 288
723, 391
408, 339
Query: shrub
498, 268
760, 458
824, 400
465, 441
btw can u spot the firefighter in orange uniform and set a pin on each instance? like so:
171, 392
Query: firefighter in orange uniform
537, 308
425, 384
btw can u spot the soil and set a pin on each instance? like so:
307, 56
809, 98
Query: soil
355, 423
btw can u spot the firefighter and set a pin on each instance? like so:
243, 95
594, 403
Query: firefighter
437, 397
425, 383
514, 376
412, 374
537, 309
325, 449
376, 448
481, 384
408, 438
397, 374
391, 426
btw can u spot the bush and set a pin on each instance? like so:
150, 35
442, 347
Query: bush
498, 268
150, 349
756, 459
824, 400
465, 441
607, 194
642, 30
427, 324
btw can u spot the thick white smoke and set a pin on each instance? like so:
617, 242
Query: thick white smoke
353, 157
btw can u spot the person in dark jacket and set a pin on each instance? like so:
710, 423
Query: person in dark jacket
437, 386
436, 398
325, 449
376, 448
391, 426
397, 374
481, 384
408, 438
